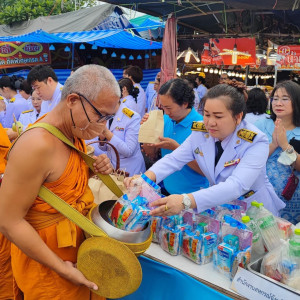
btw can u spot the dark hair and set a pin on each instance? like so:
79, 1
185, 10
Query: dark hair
235, 103
135, 72
293, 90
201, 79
12, 82
191, 81
257, 102
24, 86
179, 90
41, 73
133, 91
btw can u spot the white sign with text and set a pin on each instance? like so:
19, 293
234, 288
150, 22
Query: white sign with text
255, 287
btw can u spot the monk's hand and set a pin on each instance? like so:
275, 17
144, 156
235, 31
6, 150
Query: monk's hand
102, 164
168, 206
72, 274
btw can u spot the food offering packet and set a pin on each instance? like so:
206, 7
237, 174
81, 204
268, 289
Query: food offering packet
171, 240
241, 259
140, 219
122, 213
224, 259
156, 223
144, 189
191, 246
209, 242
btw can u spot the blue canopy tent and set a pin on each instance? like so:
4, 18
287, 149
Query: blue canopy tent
115, 38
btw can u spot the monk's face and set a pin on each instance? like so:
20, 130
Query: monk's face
90, 117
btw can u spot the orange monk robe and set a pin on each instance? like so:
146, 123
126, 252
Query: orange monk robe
63, 237
6, 277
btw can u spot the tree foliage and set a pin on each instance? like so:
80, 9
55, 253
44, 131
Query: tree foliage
21, 10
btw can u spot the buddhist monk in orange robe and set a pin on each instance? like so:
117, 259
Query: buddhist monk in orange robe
6, 277
46, 243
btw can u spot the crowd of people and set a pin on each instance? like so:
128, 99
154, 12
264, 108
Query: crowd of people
219, 144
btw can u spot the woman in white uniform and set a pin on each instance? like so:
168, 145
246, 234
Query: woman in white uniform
122, 132
230, 152
129, 93
30, 116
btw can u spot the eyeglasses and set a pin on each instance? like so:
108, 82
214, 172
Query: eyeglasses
283, 100
102, 117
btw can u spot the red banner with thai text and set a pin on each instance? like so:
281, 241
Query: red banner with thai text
239, 51
288, 57
18, 54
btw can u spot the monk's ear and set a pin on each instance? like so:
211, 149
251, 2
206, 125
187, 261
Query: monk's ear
71, 100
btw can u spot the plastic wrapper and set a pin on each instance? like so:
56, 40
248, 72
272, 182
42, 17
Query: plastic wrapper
224, 256
139, 220
268, 227
156, 223
228, 209
234, 227
122, 213
285, 228
209, 242
233, 241
191, 246
171, 240
144, 188
242, 204
241, 259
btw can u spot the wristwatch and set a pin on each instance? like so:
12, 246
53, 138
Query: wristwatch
186, 201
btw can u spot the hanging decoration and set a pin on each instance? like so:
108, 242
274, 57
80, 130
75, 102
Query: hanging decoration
234, 54
187, 55
82, 47
114, 54
67, 49
123, 56
104, 51
51, 48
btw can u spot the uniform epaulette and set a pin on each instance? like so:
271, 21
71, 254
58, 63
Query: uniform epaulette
126, 111
61, 88
1, 98
137, 86
27, 111
246, 135
124, 100
152, 82
198, 126
12, 100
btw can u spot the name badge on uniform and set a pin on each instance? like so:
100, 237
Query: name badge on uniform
119, 128
231, 162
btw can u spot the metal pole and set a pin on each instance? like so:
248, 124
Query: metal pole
275, 79
73, 50
247, 74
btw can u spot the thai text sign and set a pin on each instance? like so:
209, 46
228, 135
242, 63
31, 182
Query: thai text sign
239, 51
255, 287
288, 57
17, 54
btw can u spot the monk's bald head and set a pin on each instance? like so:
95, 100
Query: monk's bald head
89, 81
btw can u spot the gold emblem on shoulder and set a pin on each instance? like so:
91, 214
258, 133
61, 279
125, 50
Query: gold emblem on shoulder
247, 135
198, 126
27, 111
126, 111
124, 100
12, 100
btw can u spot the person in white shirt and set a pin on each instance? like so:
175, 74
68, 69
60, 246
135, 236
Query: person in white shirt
201, 89
16, 103
135, 73
44, 81
129, 93
256, 105
30, 116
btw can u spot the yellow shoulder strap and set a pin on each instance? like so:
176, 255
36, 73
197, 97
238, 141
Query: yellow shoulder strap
106, 179
63, 207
